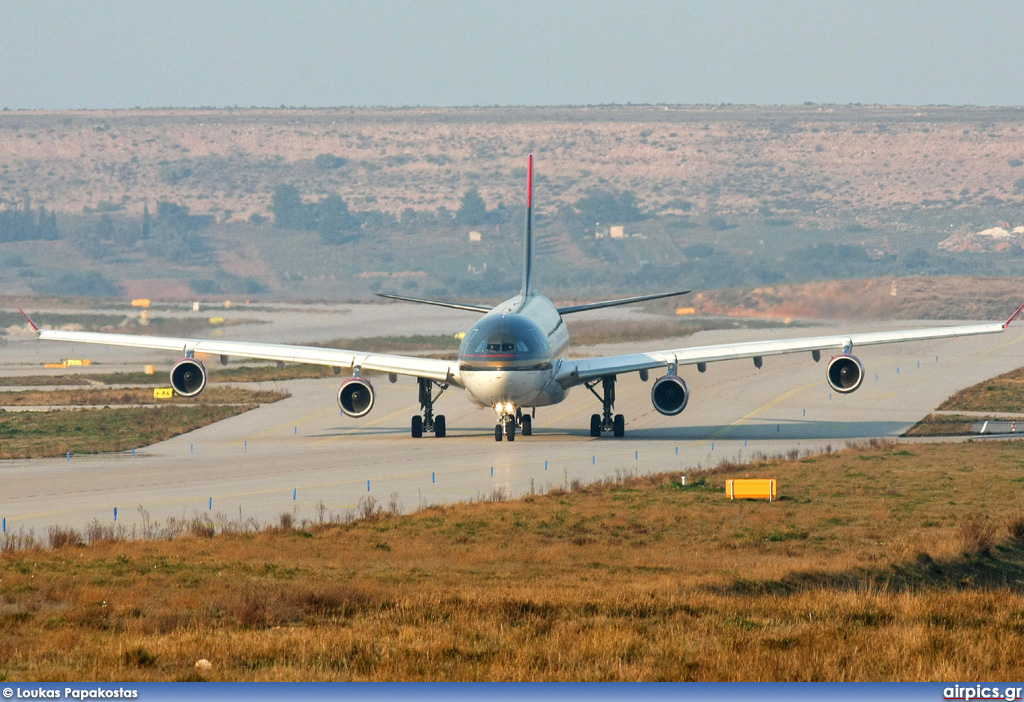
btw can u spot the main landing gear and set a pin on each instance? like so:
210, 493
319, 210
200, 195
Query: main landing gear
509, 418
428, 422
603, 422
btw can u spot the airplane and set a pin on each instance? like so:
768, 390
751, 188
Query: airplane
515, 359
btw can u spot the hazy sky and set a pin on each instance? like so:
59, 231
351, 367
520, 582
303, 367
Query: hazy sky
184, 53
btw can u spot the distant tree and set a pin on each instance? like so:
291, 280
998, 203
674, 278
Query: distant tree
376, 221
472, 211
334, 221
72, 282
20, 224
288, 210
47, 228
326, 162
175, 217
105, 227
719, 223
608, 207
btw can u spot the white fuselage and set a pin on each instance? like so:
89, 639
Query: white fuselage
512, 354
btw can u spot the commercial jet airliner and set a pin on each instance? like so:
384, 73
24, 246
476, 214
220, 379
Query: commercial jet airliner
515, 360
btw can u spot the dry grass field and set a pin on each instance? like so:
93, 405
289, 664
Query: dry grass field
876, 563
1000, 395
93, 426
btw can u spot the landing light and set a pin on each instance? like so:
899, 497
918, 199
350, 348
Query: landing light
509, 407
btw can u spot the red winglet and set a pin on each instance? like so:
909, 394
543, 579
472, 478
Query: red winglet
29, 320
1013, 316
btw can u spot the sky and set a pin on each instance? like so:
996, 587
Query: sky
337, 53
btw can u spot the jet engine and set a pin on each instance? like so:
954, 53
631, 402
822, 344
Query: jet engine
845, 373
356, 397
188, 377
670, 394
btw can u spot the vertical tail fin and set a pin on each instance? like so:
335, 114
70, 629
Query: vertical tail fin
528, 244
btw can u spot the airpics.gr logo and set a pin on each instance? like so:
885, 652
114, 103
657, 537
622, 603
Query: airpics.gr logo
981, 692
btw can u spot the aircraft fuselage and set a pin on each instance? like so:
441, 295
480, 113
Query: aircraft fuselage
512, 354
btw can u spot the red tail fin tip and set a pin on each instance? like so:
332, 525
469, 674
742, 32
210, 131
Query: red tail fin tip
29, 319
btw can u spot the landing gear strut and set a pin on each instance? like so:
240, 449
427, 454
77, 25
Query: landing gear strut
428, 422
605, 421
509, 418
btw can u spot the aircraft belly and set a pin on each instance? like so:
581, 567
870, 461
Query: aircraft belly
521, 387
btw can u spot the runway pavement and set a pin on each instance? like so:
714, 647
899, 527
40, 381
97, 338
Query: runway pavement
300, 456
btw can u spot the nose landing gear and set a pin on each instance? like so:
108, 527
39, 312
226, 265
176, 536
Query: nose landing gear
510, 418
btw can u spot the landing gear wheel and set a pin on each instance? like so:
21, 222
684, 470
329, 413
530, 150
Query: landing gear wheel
428, 421
527, 425
510, 431
605, 421
497, 432
619, 426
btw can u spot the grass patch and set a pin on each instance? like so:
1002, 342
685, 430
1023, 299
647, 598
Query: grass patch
943, 425
134, 396
1004, 393
684, 585
218, 374
128, 323
94, 430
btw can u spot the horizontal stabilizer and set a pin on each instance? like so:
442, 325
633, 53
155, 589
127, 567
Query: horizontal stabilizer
614, 303
439, 303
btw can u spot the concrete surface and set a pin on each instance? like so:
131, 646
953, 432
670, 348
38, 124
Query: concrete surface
252, 465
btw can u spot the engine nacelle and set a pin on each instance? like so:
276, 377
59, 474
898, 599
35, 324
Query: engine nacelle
356, 397
845, 373
670, 394
188, 377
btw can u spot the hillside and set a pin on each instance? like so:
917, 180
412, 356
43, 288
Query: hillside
775, 192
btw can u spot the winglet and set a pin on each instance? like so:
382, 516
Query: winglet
1013, 316
37, 328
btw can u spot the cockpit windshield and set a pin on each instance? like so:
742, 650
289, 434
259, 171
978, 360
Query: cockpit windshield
509, 341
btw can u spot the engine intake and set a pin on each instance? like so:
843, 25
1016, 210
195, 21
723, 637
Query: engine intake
845, 373
670, 394
188, 377
355, 397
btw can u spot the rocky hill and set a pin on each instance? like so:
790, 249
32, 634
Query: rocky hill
827, 159
721, 195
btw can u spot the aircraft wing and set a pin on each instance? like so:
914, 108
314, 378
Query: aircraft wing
434, 369
574, 372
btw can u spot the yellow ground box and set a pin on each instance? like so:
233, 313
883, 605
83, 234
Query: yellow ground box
163, 393
77, 362
216, 320
751, 489
141, 302
683, 311
55, 365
